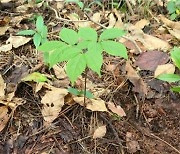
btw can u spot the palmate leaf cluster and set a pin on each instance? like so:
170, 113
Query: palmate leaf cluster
83, 49
39, 34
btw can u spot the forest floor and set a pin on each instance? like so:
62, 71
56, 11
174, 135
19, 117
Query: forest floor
143, 114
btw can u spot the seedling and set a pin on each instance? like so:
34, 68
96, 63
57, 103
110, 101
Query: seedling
175, 56
82, 50
173, 7
39, 34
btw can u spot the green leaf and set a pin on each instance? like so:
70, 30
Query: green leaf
173, 16
26, 32
80, 4
36, 76
70, 53
69, 36
53, 51
171, 7
83, 44
115, 48
44, 32
88, 94
175, 55
94, 58
87, 34
169, 77
111, 33
37, 39
75, 67
74, 91
176, 89
39, 24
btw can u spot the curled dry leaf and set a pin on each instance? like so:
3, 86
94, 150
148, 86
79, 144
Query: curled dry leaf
92, 104
116, 109
164, 69
53, 101
139, 85
99, 132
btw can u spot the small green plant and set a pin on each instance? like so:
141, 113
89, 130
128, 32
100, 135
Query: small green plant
39, 34
76, 92
82, 49
173, 7
175, 56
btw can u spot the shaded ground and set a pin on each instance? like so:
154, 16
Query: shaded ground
152, 124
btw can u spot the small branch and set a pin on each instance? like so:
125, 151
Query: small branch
129, 7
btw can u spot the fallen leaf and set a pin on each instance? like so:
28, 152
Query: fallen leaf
99, 132
59, 72
2, 87
164, 69
92, 104
112, 21
139, 85
171, 26
150, 42
4, 117
17, 41
6, 47
36, 77
119, 23
116, 109
3, 30
14, 103
141, 24
151, 59
52, 102
169, 23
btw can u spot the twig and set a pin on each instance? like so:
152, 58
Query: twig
165, 143
129, 7
114, 132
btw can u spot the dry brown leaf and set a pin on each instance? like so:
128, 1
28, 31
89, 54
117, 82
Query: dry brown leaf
17, 41
175, 33
116, 109
164, 69
112, 21
53, 101
169, 23
3, 30
59, 72
92, 104
141, 24
13, 103
4, 117
149, 42
6, 47
139, 85
99, 132
2, 87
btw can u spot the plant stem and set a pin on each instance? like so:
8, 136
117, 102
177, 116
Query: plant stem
85, 82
